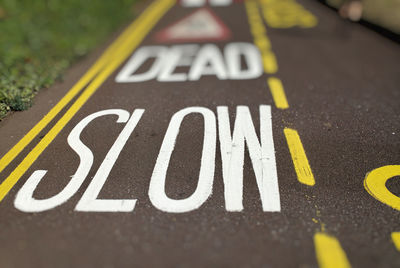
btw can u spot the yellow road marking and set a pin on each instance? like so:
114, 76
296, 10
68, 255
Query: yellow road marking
287, 14
396, 240
262, 42
14, 151
268, 57
260, 38
269, 62
299, 158
278, 93
329, 252
83, 81
141, 26
375, 184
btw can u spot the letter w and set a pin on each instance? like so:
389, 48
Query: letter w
262, 157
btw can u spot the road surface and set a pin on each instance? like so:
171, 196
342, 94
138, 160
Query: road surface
218, 134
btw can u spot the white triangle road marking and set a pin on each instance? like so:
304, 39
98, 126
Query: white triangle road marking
200, 25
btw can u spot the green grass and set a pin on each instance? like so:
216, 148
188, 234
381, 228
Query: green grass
39, 39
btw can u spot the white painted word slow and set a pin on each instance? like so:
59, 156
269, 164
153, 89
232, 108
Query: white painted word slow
262, 154
201, 60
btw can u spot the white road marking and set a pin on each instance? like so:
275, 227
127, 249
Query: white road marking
232, 154
178, 56
25, 201
200, 26
157, 193
193, 3
201, 60
220, 2
251, 55
126, 75
262, 157
209, 61
89, 200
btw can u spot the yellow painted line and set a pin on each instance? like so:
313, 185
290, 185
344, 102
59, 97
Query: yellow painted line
396, 240
299, 158
329, 252
269, 62
375, 184
287, 14
261, 40
142, 25
278, 93
14, 151
257, 28
83, 81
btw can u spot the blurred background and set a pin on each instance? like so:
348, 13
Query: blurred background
383, 13
40, 39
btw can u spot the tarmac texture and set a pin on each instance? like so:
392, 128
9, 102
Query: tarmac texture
189, 93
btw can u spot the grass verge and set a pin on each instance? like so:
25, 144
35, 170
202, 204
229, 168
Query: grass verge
40, 39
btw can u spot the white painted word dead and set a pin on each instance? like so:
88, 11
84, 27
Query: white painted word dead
262, 154
202, 60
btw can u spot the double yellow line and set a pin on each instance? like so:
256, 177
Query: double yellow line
115, 54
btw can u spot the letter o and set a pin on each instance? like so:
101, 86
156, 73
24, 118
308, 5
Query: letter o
375, 184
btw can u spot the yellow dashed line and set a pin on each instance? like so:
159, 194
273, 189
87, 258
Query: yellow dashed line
278, 93
396, 240
141, 27
328, 249
329, 252
262, 42
269, 61
299, 158
260, 38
